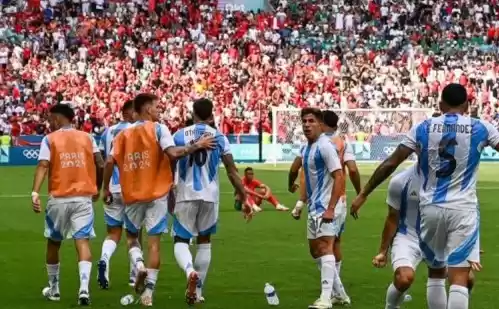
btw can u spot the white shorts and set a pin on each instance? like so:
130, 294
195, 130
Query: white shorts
317, 229
114, 213
193, 218
405, 252
69, 218
151, 215
449, 237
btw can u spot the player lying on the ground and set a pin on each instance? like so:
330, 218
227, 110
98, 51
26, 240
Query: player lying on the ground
198, 195
74, 165
146, 179
258, 192
401, 232
325, 185
114, 211
449, 149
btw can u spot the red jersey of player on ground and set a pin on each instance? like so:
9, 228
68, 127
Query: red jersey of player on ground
258, 192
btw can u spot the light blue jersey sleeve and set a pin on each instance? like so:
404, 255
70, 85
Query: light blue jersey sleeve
415, 135
102, 142
492, 134
330, 156
164, 136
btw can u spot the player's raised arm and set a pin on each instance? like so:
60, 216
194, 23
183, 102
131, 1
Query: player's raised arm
294, 169
40, 173
353, 171
333, 165
393, 200
167, 143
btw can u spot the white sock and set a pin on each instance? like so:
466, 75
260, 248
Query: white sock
338, 267
152, 277
436, 295
184, 257
136, 257
458, 297
85, 268
338, 288
202, 263
327, 276
394, 298
108, 247
132, 271
318, 261
53, 274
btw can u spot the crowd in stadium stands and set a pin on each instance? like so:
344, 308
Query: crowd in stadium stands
330, 54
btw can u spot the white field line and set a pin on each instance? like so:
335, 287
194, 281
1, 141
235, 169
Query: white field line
232, 192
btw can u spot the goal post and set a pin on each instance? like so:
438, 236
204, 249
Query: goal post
373, 133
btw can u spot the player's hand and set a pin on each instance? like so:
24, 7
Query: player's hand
247, 211
207, 142
475, 266
296, 213
379, 261
328, 216
293, 188
35, 202
356, 205
107, 197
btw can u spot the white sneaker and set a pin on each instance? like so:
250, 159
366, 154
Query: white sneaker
146, 298
282, 208
50, 294
321, 304
342, 301
84, 298
199, 300
256, 208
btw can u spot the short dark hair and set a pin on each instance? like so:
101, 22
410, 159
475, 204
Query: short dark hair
330, 118
436, 114
127, 106
203, 109
248, 169
454, 95
189, 122
143, 99
312, 111
64, 110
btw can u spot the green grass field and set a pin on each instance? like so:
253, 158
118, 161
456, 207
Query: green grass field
272, 248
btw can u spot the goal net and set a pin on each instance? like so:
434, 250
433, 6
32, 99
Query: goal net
373, 133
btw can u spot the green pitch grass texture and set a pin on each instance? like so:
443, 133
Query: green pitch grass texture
272, 248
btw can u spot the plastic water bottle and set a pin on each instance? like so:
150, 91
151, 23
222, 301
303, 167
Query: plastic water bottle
126, 300
271, 295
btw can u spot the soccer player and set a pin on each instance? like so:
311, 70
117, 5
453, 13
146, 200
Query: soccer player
401, 232
74, 165
197, 197
324, 183
114, 212
347, 160
449, 149
258, 192
143, 153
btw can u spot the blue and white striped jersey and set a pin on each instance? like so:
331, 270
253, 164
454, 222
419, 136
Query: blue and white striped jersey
319, 160
197, 174
449, 149
403, 195
106, 144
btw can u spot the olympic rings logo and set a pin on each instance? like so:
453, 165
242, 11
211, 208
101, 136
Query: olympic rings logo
388, 150
31, 153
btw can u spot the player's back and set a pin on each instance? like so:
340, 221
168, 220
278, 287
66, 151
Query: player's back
449, 154
72, 166
105, 146
197, 174
403, 195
